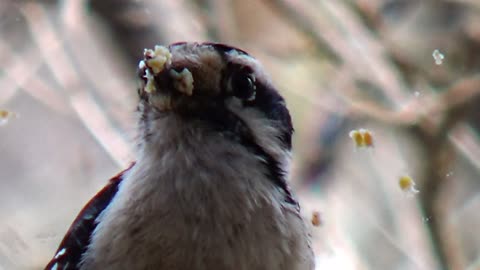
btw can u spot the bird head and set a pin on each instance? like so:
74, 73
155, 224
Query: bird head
220, 86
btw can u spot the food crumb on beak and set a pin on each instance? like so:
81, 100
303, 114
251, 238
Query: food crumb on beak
150, 86
157, 58
154, 62
183, 81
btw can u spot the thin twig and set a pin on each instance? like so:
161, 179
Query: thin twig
92, 116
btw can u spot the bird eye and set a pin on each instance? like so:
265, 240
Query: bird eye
242, 85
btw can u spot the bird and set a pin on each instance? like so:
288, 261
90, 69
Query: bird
209, 188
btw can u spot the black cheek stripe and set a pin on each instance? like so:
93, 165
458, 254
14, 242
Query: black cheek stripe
269, 101
234, 128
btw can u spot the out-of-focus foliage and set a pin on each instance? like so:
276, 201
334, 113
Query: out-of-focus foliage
67, 72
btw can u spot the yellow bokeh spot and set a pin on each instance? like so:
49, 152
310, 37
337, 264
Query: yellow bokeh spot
316, 219
362, 138
367, 138
405, 182
4, 114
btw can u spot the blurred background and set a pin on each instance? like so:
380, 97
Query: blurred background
68, 93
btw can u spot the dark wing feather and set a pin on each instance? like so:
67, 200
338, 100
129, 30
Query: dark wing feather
76, 241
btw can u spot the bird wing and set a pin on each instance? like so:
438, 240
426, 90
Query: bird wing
76, 241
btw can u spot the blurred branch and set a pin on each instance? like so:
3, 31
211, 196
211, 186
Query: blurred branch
17, 78
466, 142
93, 117
65, 74
451, 104
221, 21
452, 108
432, 121
106, 79
295, 12
471, 3
136, 25
341, 34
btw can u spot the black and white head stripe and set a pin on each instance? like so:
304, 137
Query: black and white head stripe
234, 128
269, 102
233, 94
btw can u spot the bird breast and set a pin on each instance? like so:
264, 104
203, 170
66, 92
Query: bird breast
198, 201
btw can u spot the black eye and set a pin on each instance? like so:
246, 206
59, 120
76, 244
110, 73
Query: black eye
242, 85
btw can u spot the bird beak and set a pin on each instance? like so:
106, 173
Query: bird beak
160, 80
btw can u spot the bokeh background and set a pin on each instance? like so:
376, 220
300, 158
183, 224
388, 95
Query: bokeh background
67, 71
